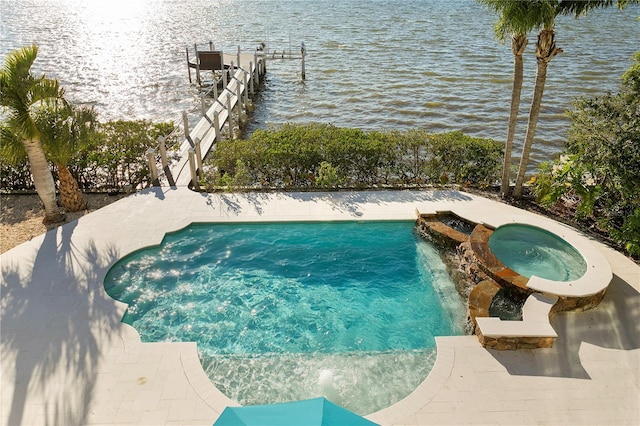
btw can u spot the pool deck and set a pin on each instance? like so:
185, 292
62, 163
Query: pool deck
67, 359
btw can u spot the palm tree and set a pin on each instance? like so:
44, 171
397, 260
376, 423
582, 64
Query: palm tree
20, 93
546, 50
64, 131
514, 22
546, 12
518, 43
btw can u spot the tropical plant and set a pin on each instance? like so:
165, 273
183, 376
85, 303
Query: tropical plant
65, 131
14, 169
546, 50
20, 94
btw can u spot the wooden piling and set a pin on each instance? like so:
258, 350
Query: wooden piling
188, 65
185, 124
246, 91
198, 156
162, 147
216, 124
302, 53
239, 102
256, 71
203, 105
153, 168
253, 74
192, 168
229, 115
198, 79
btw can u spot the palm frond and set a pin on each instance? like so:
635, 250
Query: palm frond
21, 92
11, 147
64, 130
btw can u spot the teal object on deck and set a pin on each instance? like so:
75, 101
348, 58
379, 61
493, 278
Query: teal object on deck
310, 412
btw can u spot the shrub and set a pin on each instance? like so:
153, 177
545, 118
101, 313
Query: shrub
327, 176
324, 156
599, 171
114, 159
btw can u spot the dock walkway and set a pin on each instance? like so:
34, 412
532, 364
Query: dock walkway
231, 100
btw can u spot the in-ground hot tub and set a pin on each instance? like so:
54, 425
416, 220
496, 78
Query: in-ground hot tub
533, 251
543, 257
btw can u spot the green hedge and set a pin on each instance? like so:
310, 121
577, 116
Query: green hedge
325, 156
294, 156
117, 156
114, 159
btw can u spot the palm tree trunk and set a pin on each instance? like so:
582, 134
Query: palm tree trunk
545, 51
518, 44
71, 197
43, 181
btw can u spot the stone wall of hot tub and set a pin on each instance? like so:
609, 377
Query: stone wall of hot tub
512, 343
480, 299
437, 231
473, 283
578, 304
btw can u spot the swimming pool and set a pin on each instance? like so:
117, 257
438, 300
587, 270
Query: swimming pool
284, 311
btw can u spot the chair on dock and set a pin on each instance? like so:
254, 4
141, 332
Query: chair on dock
211, 60
208, 60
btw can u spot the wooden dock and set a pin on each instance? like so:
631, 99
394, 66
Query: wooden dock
231, 91
230, 80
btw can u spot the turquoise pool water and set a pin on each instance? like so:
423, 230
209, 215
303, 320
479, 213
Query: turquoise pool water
530, 250
284, 311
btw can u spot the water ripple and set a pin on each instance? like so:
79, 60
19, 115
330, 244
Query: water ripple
127, 58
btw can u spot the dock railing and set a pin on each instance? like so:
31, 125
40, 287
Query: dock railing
231, 100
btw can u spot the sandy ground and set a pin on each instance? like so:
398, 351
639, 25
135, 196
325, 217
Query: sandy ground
21, 216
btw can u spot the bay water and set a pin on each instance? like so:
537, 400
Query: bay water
372, 64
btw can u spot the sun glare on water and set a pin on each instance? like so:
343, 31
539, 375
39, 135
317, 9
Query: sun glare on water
113, 32
111, 11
